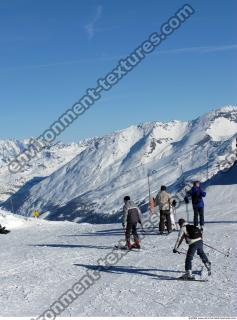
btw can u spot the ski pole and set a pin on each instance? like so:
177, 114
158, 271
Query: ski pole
226, 255
149, 192
180, 252
149, 186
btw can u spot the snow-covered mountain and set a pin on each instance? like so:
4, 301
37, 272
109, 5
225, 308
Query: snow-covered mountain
92, 184
41, 260
48, 160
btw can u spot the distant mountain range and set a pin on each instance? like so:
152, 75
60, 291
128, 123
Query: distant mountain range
87, 181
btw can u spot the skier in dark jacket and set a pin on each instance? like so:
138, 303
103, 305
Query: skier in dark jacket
131, 216
3, 230
193, 237
197, 196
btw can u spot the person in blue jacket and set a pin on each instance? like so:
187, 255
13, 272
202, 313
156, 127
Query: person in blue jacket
197, 196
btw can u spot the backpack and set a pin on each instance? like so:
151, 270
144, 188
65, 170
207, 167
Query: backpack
186, 200
193, 231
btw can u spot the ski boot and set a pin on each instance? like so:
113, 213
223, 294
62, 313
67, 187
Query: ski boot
136, 245
187, 276
208, 266
128, 245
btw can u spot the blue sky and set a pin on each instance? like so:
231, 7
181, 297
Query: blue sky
52, 51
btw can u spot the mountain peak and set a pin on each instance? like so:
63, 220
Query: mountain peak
228, 111
105, 169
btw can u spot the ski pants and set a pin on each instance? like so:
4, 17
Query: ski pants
198, 215
131, 227
193, 248
165, 216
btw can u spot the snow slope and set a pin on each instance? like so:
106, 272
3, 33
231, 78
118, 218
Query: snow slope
90, 187
40, 260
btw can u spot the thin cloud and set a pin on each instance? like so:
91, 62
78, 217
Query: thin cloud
61, 63
90, 27
200, 49
111, 58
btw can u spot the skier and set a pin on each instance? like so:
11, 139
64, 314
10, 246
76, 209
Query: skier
131, 216
163, 200
197, 195
3, 230
173, 214
193, 237
36, 214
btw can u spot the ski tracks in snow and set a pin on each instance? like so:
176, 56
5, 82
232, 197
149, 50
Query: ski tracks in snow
40, 262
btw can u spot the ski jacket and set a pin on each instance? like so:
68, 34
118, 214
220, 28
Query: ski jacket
163, 200
131, 213
197, 191
183, 234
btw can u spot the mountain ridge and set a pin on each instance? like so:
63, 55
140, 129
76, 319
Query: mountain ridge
93, 182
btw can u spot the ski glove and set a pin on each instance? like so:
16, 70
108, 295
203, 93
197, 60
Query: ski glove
186, 200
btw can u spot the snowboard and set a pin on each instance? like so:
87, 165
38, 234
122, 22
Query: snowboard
4, 231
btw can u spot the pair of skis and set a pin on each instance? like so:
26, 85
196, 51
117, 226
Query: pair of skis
184, 279
119, 247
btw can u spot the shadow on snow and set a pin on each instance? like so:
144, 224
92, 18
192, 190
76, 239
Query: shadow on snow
130, 270
71, 246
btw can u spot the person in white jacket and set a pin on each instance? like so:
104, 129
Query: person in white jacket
193, 237
173, 215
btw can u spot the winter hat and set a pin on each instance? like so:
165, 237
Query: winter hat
163, 188
127, 198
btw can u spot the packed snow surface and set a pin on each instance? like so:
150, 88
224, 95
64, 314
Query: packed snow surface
40, 260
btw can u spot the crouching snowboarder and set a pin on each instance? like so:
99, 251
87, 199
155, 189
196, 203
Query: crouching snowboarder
193, 237
3, 230
131, 217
